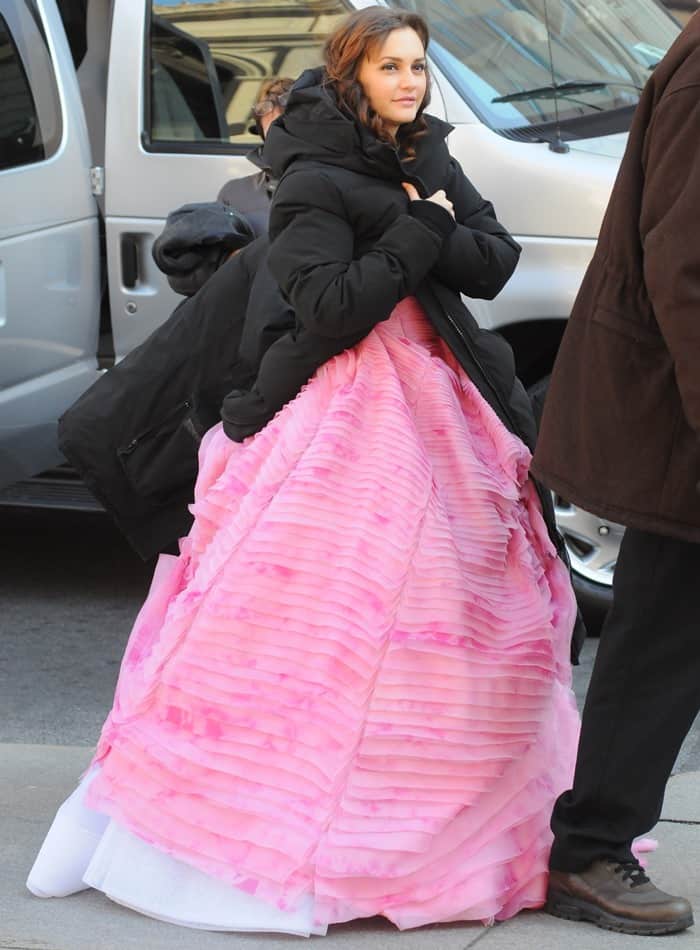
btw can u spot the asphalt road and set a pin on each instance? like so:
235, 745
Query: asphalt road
70, 588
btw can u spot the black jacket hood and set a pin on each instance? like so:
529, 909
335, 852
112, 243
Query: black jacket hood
314, 128
256, 157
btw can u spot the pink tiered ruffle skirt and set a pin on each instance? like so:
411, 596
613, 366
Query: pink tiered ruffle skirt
350, 694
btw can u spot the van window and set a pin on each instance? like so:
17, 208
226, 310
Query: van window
30, 124
208, 61
497, 53
74, 16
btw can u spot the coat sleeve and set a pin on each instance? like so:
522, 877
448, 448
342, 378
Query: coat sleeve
312, 257
479, 257
671, 238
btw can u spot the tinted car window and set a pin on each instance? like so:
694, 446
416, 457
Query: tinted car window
208, 61
74, 16
30, 123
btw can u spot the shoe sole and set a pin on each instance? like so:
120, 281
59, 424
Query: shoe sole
572, 908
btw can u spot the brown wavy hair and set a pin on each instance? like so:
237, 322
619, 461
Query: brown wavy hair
344, 51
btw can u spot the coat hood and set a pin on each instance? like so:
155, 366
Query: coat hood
314, 128
256, 157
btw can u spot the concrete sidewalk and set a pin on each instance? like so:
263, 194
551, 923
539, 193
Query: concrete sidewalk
34, 779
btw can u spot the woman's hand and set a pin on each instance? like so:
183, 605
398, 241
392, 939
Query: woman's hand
439, 198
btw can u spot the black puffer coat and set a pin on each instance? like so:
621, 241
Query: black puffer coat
348, 245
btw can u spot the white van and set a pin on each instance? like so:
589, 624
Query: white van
114, 112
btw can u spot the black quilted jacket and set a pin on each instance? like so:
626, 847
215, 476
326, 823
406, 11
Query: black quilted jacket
347, 245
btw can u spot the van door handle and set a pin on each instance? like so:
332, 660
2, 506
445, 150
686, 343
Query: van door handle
130, 260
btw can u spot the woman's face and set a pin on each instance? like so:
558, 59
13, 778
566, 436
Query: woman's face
393, 77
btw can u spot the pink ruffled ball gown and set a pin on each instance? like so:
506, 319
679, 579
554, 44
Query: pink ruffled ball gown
350, 694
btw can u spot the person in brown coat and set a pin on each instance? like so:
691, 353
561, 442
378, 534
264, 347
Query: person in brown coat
620, 437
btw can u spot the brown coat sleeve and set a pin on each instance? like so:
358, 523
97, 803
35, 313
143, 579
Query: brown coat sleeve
670, 233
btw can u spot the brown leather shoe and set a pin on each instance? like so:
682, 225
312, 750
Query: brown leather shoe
616, 896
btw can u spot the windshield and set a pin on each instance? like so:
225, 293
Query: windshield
496, 49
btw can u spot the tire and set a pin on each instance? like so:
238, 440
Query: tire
595, 600
592, 543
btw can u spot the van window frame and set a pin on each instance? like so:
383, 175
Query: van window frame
204, 146
178, 146
43, 99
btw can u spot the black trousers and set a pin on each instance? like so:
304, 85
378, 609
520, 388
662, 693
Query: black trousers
643, 697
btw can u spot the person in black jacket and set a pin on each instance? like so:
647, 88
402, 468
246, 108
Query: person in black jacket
251, 195
199, 237
421, 218
133, 435
350, 693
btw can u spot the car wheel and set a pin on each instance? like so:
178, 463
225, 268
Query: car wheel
592, 543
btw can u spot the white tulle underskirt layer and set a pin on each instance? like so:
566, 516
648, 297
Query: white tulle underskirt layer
87, 849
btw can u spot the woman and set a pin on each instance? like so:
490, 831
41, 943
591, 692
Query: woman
350, 694
347, 245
